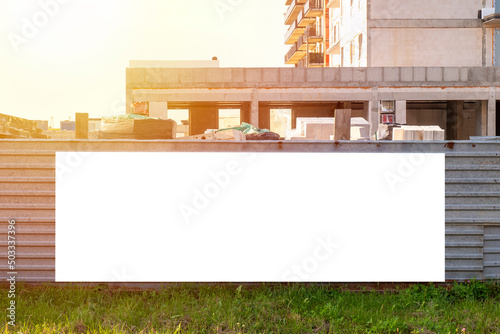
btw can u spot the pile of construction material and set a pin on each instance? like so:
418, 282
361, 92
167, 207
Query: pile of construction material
323, 128
241, 133
134, 126
413, 132
16, 127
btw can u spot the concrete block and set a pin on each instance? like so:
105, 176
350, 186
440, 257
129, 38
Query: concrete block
374, 74
199, 75
497, 77
331, 74
478, 74
391, 74
218, 74
451, 74
299, 75
319, 131
419, 74
238, 74
464, 74
286, 74
314, 74
406, 74
346, 74
161, 75
398, 134
185, 75
271, 75
434, 74
136, 75
253, 75
359, 74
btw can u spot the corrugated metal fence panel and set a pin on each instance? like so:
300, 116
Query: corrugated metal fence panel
27, 193
492, 252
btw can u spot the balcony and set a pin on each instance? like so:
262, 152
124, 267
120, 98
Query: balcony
293, 33
293, 11
303, 21
313, 8
492, 21
334, 4
294, 55
302, 44
334, 49
316, 59
314, 34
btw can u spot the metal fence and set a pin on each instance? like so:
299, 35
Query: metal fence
27, 194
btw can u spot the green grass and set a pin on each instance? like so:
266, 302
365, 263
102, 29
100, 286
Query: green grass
291, 308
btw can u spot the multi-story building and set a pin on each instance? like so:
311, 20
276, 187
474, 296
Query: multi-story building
380, 33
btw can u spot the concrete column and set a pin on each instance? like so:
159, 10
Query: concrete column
254, 108
129, 101
481, 118
492, 110
374, 112
82, 126
452, 113
401, 112
366, 110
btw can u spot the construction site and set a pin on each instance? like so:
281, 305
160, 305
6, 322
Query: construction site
323, 104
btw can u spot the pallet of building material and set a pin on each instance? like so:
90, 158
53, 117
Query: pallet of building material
230, 134
263, 136
154, 129
116, 128
17, 127
421, 133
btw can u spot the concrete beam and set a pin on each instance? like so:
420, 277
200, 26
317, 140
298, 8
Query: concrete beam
425, 23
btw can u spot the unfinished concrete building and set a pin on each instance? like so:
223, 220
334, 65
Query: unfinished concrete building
461, 100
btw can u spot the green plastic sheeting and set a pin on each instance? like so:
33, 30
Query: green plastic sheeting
246, 129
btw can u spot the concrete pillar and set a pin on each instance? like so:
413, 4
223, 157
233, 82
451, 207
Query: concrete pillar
129, 101
492, 123
454, 110
481, 118
158, 110
254, 108
343, 124
366, 110
82, 126
401, 112
374, 118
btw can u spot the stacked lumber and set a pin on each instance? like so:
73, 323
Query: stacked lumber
16, 127
138, 128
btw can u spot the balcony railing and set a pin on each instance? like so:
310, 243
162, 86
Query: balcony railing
293, 10
294, 55
313, 8
333, 4
303, 21
316, 59
314, 34
293, 33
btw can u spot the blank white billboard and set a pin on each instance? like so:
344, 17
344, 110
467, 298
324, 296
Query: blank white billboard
249, 217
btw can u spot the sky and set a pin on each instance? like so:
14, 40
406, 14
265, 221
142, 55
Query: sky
59, 57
